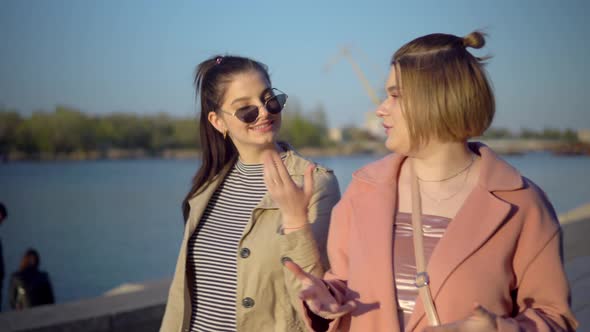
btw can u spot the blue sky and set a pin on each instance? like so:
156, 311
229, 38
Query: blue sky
139, 56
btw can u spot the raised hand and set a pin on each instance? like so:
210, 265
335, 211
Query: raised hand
316, 295
292, 199
481, 320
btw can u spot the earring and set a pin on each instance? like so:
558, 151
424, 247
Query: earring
224, 134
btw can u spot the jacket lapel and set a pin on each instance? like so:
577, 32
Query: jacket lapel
481, 215
199, 203
468, 231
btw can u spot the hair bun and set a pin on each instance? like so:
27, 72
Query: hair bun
475, 39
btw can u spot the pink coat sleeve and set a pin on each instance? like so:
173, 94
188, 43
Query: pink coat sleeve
542, 298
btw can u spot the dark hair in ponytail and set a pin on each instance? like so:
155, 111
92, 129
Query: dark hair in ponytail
211, 79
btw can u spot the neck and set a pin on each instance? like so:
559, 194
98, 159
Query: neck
254, 155
438, 160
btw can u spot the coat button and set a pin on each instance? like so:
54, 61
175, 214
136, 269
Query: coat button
245, 253
248, 302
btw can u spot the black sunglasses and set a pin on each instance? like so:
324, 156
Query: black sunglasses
274, 105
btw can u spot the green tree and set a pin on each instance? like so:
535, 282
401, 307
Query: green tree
497, 133
185, 134
10, 120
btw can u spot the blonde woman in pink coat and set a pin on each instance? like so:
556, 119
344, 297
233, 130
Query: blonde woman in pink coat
491, 240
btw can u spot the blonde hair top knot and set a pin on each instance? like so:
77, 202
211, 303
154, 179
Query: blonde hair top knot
476, 40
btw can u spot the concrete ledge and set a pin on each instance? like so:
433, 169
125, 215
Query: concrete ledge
140, 307
580, 213
138, 310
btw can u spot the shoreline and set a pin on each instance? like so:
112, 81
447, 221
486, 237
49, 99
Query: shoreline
377, 148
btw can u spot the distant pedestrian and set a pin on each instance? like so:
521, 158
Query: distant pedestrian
30, 287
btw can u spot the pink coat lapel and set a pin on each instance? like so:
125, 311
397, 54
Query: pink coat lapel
468, 231
470, 228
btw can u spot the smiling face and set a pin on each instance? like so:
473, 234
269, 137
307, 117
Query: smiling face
249, 88
394, 122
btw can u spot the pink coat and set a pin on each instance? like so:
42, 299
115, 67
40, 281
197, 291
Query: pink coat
501, 250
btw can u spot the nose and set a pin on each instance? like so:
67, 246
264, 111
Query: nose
382, 110
262, 111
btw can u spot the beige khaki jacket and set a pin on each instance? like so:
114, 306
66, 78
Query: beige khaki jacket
266, 293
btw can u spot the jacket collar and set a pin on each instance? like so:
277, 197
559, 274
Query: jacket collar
294, 163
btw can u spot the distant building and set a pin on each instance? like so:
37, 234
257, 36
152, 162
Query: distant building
584, 135
335, 134
374, 125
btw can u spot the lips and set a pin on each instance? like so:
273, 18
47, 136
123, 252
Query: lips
387, 128
263, 126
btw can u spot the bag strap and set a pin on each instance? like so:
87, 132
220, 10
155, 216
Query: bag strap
422, 280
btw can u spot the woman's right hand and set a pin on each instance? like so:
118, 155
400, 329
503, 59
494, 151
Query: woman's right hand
317, 296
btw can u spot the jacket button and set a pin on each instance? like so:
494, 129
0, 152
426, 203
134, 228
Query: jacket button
248, 302
245, 253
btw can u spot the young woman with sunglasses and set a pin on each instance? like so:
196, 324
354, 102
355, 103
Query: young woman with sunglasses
442, 234
239, 227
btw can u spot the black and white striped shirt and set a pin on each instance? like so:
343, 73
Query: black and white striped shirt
213, 248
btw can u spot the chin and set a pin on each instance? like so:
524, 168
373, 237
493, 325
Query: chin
266, 139
390, 145
396, 147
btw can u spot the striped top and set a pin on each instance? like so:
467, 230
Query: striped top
404, 259
213, 248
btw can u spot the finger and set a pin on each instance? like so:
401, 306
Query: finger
296, 270
315, 307
281, 169
270, 169
482, 312
347, 307
440, 328
478, 310
307, 294
308, 180
267, 179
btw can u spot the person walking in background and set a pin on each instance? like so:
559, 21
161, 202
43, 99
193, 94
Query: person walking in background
3, 215
239, 226
442, 232
29, 286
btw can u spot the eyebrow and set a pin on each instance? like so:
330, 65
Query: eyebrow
392, 89
239, 100
262, 94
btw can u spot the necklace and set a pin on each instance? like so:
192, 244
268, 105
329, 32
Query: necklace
453, 175
438, 200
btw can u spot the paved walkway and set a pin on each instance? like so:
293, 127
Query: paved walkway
576, 233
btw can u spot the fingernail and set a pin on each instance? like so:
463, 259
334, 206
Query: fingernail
286, 259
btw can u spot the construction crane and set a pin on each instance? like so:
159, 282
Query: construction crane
345, 52
372, 122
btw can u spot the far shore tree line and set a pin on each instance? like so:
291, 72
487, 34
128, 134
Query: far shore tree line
67, 130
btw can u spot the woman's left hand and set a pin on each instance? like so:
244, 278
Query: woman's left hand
292, 199
481, 320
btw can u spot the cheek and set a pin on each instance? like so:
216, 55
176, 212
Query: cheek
277, 121
236, 126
